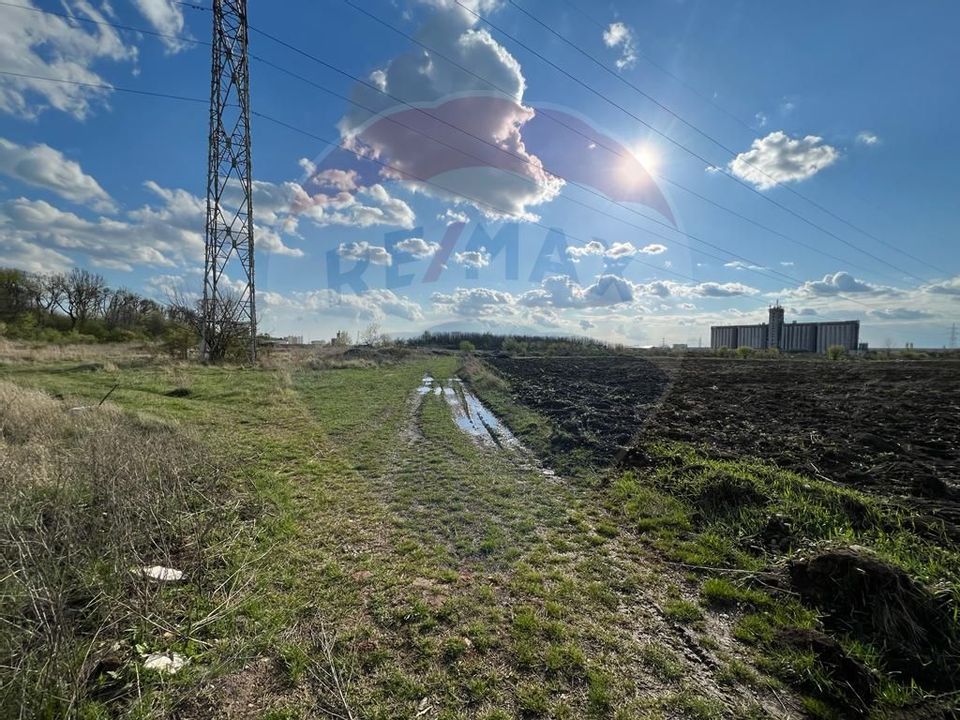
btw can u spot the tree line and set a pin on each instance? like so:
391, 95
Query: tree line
79, 306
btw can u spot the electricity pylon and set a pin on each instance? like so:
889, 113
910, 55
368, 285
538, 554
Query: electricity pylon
229, 301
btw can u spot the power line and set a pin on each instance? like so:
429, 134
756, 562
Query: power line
677, 143
356, 153
708, 136
493, 145
666, 71
601, 144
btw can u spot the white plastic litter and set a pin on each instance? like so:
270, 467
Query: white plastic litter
164, 662
161, 573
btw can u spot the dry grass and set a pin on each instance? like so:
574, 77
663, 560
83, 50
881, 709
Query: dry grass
88, 498
21, 351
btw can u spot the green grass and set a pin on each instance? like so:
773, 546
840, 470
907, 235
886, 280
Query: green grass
414, 571
710, 515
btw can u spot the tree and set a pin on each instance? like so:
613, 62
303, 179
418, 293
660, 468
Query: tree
86, 294
229, 331
467, 347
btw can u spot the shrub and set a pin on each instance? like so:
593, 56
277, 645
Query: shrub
467, 347
836, 352
744, 352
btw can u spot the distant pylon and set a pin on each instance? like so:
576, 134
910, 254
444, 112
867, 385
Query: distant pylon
229, 228
953, 337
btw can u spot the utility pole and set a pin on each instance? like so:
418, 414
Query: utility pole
229, 227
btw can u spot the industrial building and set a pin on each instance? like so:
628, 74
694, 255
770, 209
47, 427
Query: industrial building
788, 337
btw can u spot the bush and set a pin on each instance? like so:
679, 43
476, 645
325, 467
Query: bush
836, 352
744, 352
467, 347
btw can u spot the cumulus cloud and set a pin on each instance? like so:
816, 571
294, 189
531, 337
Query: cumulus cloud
560, 291
370, 305
476, 302
619, 35
163, 234
32, 43
594, 247
616, 251
450, 216
166, 17
586, 324
364, 251
778, 158
517, 183
668, 288
417, 247
837, 283
357, 207
865, 137
42, 166
472, 258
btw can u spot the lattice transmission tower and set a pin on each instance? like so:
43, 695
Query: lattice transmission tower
229, 308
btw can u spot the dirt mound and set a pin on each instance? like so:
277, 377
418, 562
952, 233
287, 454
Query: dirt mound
857, 686
915, 629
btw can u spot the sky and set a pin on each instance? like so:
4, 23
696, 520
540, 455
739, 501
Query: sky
630, 171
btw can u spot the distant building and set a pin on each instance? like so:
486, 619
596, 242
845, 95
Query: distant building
294, 339
788, 337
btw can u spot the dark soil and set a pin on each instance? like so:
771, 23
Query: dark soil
869, 598
886, 427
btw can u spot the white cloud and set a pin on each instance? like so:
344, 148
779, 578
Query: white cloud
947, 287
167, 18
473, 258
364, 251
560, 291
669, 288
761, 119
33, 43
370, 305
419, 79
839, 283
418, 247
363, 207
865, 137
42, 166
778, 158
900, 313
594, 247
619, 35
616, 250
450, 216
165, 234
653, 249
741, 265
476, 302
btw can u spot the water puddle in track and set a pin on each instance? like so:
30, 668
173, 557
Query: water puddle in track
477, 421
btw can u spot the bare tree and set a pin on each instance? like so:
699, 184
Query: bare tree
85, 293
50, 290
227, 333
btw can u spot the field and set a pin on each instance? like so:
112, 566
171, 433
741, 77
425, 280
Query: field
349, 551
889, 428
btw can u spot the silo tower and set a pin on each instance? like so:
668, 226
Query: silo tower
775, 326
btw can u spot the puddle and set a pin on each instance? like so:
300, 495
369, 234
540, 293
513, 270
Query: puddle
474, 418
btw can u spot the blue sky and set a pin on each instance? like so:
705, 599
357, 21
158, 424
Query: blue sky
850, 105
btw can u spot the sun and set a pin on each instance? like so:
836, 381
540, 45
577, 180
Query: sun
648, 155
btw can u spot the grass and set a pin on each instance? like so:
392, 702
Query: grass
714, 516
368, 573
